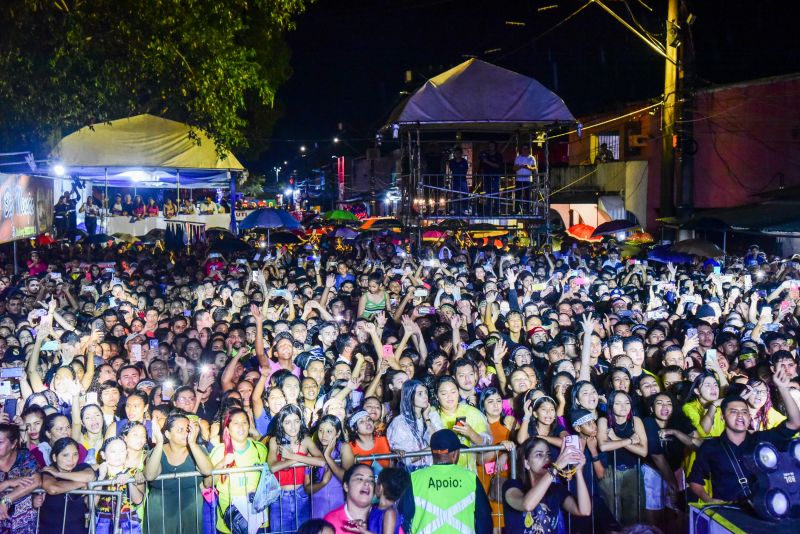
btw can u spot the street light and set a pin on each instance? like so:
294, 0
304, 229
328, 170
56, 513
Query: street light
335, 139
302, 148
277, 171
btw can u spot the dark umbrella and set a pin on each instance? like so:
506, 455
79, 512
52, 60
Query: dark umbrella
100, 238
156, 234
663, 254
612, 227
698, 247
218, 232
284, 238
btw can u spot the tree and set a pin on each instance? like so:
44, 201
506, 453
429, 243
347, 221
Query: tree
214, 64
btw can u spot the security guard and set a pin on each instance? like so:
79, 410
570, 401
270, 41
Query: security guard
445, 498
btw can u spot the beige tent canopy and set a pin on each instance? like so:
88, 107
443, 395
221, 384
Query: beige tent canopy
146, 151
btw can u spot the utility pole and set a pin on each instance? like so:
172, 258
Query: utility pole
669, 111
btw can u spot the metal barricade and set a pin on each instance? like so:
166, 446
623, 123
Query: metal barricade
168, 508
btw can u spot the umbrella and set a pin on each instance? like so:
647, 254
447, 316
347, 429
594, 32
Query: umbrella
381, 222
345, 233
698, 247
44, 240
613, 227
433, 235
640, 238
664, 254
630, 251
156, 234
583, 232
100, 238
284, 238
218, 232
340, 215
128, 238
269, 218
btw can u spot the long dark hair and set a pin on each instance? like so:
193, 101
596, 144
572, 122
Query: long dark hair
277, 429
407, 395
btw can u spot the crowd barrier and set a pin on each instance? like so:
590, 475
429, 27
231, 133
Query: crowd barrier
197, 513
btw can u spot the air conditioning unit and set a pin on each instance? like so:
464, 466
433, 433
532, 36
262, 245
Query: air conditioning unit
637, 141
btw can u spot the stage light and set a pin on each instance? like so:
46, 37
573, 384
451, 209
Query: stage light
302, 148
766, 456
59, 170
777, 502
773, 480
288, 192
794, 450
335, 139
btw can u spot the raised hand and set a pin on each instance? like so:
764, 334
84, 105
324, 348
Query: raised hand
500, 351
588, 323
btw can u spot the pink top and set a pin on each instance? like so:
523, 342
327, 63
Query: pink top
338, 518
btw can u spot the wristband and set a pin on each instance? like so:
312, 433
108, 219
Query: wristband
595, 458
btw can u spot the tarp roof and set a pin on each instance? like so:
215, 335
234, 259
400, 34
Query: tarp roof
146, 151
481, 96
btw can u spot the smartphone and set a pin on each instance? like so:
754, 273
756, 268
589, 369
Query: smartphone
55, 276
153, 344
388, 352
762, 293
420, 293
461, 421
748, 281
242, 261
711, 358
193, 418
12, 372
51, 345
786, 306
136, 353
91, 397
5, 388
10, 408
691, 332
187, 313
572, 442
717, 270
167, 390
426, 310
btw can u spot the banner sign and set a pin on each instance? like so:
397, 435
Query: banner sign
27, 206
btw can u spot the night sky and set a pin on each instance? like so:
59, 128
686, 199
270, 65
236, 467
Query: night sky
349, 56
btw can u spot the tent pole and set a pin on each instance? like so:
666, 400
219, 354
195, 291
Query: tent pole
232, 198
105, 212
178, 184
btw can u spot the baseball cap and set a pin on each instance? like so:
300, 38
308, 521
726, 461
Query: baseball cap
444, 441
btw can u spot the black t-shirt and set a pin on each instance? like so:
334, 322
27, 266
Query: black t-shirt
51, 515
546, 518
671, 448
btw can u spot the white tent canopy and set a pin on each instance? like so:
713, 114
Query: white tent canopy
479, 95
145, 151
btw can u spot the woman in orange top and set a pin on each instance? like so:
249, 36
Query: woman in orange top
366, 442
492, 463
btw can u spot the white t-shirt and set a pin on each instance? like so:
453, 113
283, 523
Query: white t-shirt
524, 175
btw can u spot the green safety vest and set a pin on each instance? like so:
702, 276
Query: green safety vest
444, 500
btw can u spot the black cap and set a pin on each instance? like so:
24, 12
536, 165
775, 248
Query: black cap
444, 441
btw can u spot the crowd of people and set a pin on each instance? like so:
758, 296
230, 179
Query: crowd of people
612, 383
65, 212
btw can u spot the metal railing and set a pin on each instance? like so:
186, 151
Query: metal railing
168, 508
175, 511
489, 196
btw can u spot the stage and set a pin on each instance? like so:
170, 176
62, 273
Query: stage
724, 519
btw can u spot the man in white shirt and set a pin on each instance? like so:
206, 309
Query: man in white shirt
524, 167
